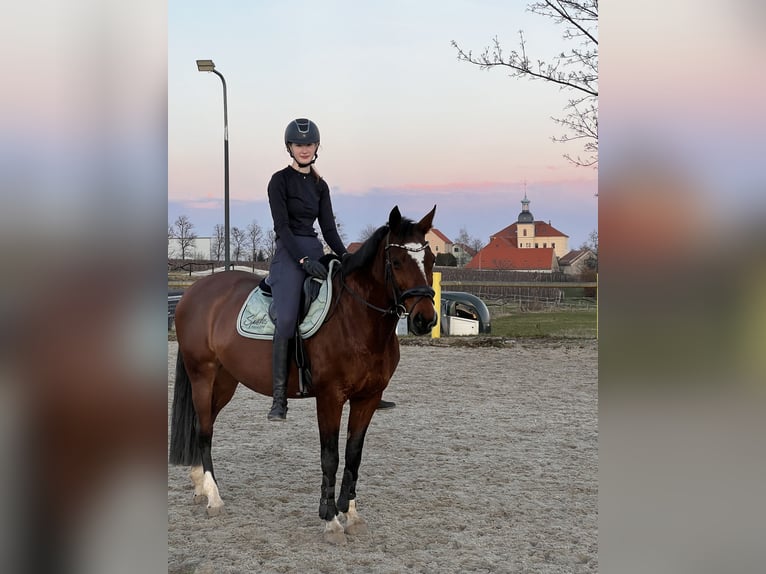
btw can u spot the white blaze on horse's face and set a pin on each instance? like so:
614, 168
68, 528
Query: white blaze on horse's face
418, 252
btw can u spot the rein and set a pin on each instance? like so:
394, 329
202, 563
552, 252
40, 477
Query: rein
398, 307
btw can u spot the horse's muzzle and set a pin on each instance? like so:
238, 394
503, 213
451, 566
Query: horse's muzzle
420, 325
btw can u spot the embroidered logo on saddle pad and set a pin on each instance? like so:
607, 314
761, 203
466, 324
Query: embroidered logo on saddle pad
255, 322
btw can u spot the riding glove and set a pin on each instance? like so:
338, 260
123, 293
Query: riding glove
314, 268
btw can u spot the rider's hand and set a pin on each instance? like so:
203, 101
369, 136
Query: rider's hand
314, 268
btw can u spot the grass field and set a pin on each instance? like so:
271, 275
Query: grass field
572, 324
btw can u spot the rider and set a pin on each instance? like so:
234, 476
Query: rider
298, 197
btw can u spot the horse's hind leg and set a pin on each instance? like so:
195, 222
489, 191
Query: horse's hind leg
209, 399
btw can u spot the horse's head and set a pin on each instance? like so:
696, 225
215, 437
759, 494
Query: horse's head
409, 268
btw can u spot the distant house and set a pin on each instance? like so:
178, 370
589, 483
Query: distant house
438, 242
462, 253
353, 247
578, 261
529, 245
200, 248
501, 253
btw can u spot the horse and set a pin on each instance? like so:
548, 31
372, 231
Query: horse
352, 357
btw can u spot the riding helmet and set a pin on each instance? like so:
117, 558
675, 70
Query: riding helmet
302, 131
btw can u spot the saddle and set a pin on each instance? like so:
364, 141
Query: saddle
256, 317
310, 292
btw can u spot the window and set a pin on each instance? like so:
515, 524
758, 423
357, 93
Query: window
525, 233
456, 249
538, 245
553, 245
545, 245
436, 248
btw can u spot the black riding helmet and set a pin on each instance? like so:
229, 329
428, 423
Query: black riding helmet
302, 131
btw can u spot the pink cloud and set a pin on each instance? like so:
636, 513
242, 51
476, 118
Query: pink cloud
483, 186
203, 204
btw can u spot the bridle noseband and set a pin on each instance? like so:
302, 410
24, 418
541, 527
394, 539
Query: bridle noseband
398, 307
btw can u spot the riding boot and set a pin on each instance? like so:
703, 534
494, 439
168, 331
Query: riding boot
281, 369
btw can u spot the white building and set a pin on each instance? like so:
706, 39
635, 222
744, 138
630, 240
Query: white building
201, 248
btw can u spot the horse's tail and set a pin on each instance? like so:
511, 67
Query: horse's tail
184, 440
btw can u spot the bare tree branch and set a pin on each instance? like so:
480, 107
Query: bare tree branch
574, 69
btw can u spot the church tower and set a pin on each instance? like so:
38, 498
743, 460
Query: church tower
525, 226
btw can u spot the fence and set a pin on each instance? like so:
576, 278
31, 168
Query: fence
511, 291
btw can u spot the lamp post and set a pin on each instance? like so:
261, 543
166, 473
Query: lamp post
209, 66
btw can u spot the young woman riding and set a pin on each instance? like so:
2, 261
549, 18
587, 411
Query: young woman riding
298, 197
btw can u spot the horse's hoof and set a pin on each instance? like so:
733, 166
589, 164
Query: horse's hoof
336, 538
214, 511
199, 498
333, 532
358, 528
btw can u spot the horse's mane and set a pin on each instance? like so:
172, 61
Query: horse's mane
364, 256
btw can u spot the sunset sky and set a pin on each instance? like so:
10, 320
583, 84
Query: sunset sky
403, 122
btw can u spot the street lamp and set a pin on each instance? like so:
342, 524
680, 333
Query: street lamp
209, 66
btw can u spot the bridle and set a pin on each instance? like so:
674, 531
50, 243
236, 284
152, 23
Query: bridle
397, 307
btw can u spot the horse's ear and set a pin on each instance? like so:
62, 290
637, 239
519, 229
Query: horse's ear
394, 218
427, 222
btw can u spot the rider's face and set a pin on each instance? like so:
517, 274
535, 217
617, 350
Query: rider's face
304, 153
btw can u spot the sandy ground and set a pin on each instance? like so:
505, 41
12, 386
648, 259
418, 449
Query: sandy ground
487, 464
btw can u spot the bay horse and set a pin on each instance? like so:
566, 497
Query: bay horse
353, 356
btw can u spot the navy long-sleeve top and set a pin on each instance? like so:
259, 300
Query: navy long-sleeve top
297, 200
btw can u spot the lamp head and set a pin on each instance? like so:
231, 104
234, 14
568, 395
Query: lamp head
205, 65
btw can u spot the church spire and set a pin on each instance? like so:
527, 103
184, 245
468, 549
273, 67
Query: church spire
525, 216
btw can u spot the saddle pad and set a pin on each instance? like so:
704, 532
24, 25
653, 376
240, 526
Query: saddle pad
255, 322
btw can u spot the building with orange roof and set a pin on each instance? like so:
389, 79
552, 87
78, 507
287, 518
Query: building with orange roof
501, 253
525, 245
439, 242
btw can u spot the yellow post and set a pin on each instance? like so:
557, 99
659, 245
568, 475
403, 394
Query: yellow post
436, 331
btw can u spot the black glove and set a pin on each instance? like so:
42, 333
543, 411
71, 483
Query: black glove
314, 268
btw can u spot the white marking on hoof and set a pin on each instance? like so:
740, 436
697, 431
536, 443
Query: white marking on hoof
214, 502
333, 532
355, 524
197, 477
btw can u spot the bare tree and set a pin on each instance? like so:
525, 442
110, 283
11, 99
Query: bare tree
366, 232
238, 242
183, 232
254, 239
341, 233
218, 242
592, 242
575, 69
170, 240
270, 245
470, 241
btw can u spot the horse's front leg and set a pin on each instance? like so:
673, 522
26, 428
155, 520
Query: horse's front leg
359, 419
329, 412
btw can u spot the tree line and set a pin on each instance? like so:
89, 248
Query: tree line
253, 243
